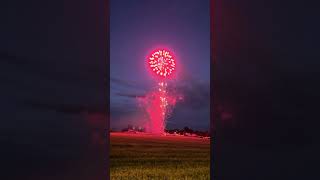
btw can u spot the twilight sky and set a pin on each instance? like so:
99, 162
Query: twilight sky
137, 28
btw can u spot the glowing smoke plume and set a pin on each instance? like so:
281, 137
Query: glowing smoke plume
158, 106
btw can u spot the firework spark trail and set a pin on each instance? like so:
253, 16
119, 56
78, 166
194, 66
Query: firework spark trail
163, 103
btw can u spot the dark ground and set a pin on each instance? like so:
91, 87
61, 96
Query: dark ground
148, 156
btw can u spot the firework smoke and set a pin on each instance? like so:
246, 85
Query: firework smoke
158, 106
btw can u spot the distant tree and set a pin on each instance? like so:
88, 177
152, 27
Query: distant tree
187, 130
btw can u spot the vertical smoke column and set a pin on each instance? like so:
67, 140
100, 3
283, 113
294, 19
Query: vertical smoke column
162, 65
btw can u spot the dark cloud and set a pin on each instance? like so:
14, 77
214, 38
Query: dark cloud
121, 82
130, 95
126, 83
124, 110
196, 95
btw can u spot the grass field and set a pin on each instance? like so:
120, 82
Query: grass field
145, 156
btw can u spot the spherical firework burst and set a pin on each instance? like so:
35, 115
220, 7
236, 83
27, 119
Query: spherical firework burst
162, 63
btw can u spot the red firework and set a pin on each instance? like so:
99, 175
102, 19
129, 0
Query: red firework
162, 63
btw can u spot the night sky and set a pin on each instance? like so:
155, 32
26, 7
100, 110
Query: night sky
137, 28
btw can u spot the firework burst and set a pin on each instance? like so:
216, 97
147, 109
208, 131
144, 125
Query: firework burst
162, 63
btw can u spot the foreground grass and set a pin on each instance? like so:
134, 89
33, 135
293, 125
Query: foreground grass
152, 157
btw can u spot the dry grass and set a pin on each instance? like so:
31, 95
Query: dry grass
158, 157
